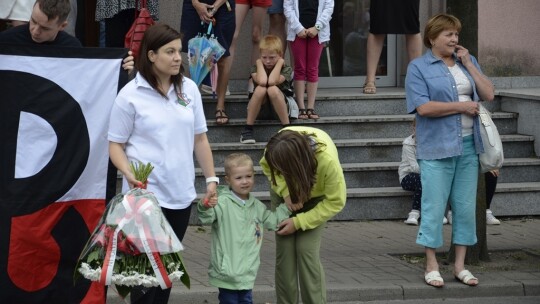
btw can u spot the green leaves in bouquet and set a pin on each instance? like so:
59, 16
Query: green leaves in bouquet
141, 171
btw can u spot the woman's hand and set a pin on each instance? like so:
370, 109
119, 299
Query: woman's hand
132, 181
286, 227
469, 107
291, 206
205, 11
463, 55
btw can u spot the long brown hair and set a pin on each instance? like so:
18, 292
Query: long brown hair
292, 155
155, 37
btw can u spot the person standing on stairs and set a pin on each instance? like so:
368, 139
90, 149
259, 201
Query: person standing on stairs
391, 17
308, 29
442, 89
222, 13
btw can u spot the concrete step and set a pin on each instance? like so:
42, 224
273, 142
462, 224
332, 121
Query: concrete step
385, 174
371, 149
342, 127
236, 106
511, 199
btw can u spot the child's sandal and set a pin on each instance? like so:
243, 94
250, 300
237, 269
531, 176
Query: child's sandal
302, 114
311, 114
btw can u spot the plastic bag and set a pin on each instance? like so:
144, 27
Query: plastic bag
133, 245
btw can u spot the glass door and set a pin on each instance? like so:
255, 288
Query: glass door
343, 61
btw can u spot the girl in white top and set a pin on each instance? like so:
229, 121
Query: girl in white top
158, 118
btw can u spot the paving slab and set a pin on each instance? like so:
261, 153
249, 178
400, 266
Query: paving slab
361, 262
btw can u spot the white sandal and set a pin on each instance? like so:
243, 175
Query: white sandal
434, 276
465, 277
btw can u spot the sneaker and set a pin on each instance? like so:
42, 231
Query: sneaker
206, 89
444, 221
246, 137
491, 219
414, 215
449, 217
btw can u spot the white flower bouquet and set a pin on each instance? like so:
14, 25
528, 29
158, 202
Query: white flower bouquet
133, 245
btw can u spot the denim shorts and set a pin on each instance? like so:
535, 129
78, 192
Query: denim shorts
276, 8
258, 3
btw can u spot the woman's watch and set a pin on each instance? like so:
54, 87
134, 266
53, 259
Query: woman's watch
212, 179
318, 27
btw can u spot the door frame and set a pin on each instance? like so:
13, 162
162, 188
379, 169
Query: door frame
388, 80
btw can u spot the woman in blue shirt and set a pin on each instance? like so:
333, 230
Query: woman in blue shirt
443, 88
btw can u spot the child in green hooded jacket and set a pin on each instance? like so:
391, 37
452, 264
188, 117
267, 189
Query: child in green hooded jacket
238, 221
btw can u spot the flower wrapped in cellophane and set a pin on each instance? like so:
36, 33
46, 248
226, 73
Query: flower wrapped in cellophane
133, 245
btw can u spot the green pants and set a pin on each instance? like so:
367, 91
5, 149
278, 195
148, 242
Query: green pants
298, 264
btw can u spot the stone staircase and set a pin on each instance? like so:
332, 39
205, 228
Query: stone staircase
368, 131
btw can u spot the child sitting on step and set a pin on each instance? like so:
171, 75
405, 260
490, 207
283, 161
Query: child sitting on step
272, 78
409, 177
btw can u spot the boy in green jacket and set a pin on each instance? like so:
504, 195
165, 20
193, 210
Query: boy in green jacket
238, 221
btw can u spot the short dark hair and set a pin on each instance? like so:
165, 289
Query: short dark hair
55, 8
154, 38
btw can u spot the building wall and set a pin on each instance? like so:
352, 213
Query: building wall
508, 37
508, 34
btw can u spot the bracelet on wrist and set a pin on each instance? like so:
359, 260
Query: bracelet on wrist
212, 179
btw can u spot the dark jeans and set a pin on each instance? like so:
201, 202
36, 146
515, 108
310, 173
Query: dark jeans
179, 220
411, 182
228, 296
491, 184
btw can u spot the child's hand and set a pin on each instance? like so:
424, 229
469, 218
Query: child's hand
312, 32
211, 197
286, 227
210, 203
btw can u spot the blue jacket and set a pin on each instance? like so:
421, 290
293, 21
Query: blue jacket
429, 79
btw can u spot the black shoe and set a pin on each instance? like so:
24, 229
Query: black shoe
246, 137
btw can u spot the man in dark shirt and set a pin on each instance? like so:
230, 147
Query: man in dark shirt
46, 27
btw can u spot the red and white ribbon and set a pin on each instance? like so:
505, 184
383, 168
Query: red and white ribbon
135, 211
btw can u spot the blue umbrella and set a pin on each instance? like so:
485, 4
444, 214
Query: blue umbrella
203, 53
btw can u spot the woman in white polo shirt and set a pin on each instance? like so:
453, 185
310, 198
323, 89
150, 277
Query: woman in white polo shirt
158, 118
